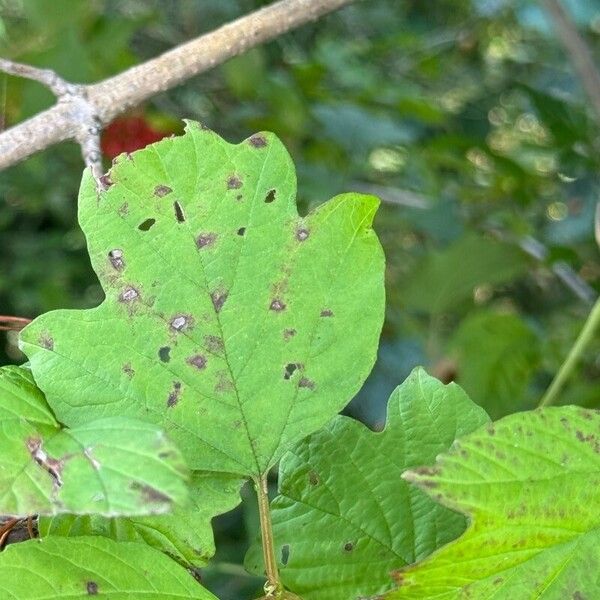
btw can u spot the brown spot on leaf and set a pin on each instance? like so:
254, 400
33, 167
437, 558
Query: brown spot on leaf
305, 382
106, 181
327, 313
174, 394
162, 190
348, 547
147, 224
289, 333
179, 214
214, 343
51, 465
313, 478
270, 196
241, 231
164, 354
224, 383
149, 493
46, 341
181, 322
197, 361
277, 305
128, 370
91, 588
258, 141
129, 294
218, 298
116, 259
205, 239
302, 234
234, 182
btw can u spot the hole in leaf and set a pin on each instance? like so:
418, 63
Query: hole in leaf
289, 370
116, 259
302, 234
164, 354
285, 554
270, 196
179, 215
146, 225
241, 231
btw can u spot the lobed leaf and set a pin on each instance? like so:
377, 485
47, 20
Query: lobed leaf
231, 321
344, 517
77, 568
185, 534
529, 484
111, 466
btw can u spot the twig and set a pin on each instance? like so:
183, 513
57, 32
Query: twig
578, 52
10, 323
84, 109
273, 587
581, 343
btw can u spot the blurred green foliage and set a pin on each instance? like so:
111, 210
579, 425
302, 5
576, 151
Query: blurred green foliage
467, 120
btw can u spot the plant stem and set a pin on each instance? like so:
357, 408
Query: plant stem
273, 587
578, 348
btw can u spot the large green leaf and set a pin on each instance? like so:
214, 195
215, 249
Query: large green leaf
185, 535
344, 517
445, 279
230, 320
73, 568
529, 484
111, 466
497, 356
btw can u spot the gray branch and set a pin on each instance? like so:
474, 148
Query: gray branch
81, 110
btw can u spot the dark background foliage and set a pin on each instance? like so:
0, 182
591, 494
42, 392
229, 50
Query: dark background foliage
465, 117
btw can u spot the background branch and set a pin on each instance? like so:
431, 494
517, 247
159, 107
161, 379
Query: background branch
80, 113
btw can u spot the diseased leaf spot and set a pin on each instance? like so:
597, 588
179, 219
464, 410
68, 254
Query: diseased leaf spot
289, 333
234, 183
348, 547
241, 231
179, 214
128, 370
116, 259
91, 588
258, 141
147, 224
277, 305
302, 234
129, 294
214, 343
46, 341
105, 181
164, 354
290, 369
313, 478
239, 197
270, 196
181, 322
124, 209
149, 493
327, 313
305, 382
218, 299
162, 190
197, 361
285, 554
51, 465
205, 239
174, 394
